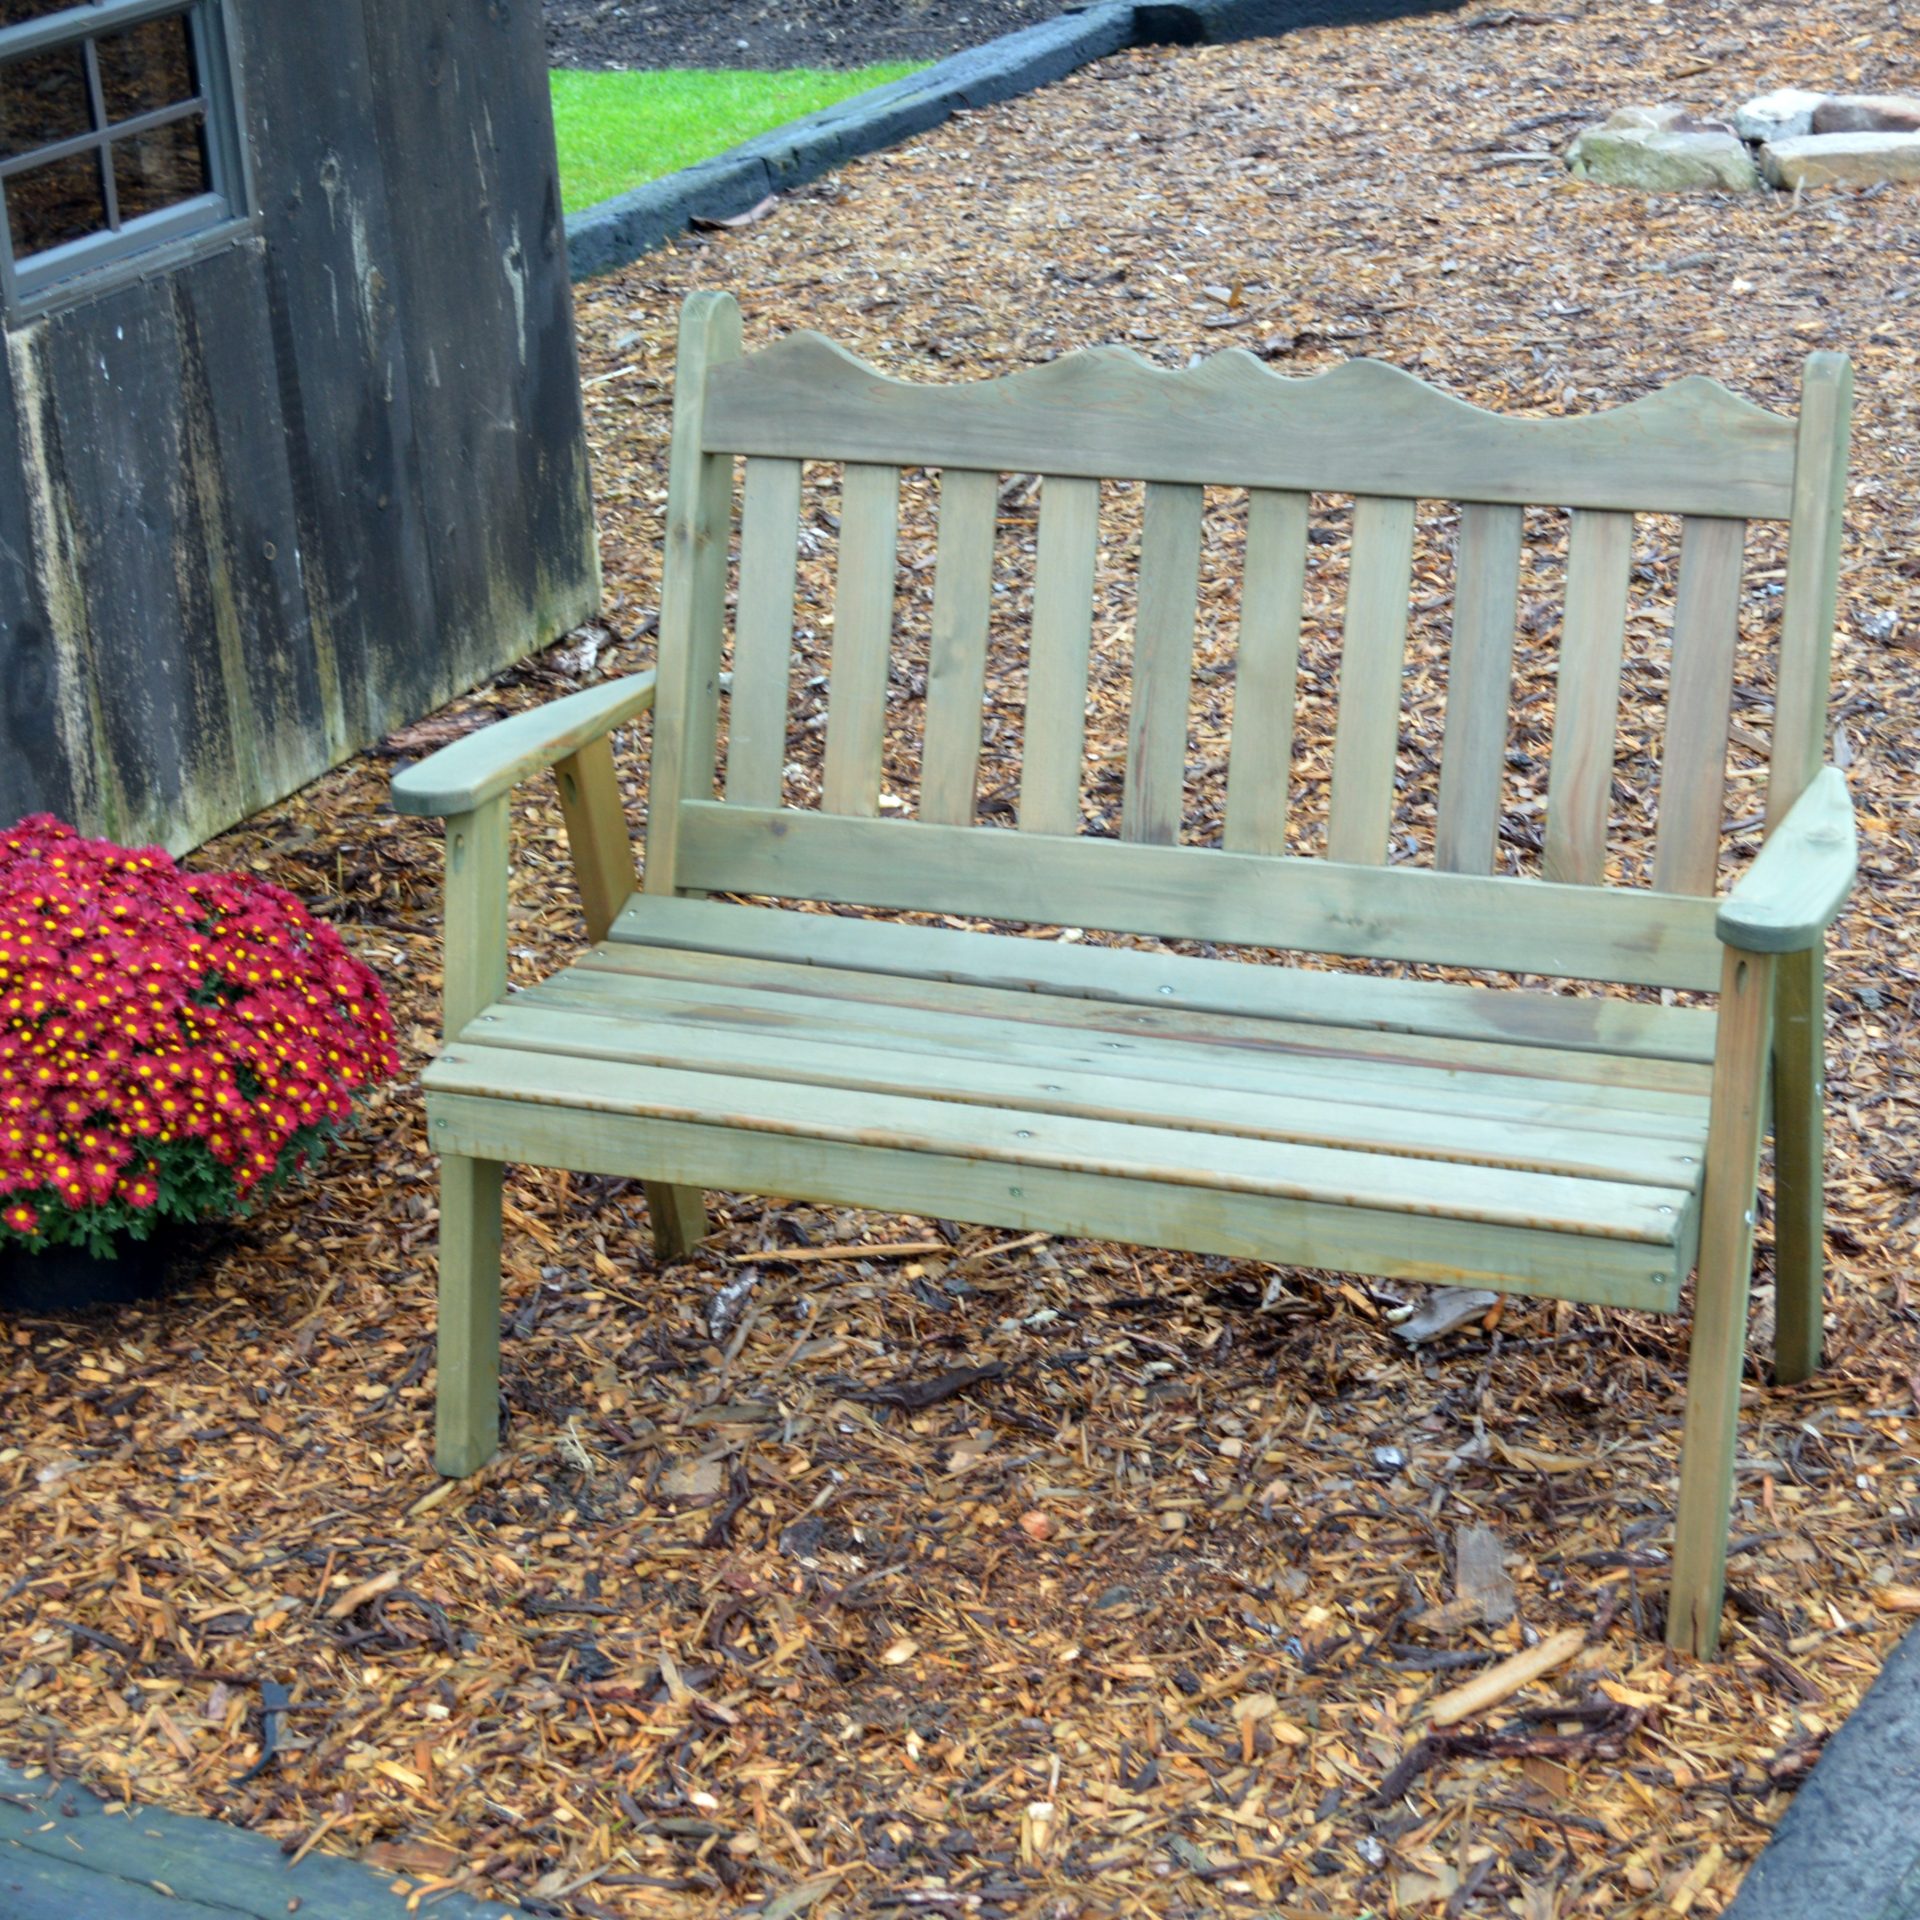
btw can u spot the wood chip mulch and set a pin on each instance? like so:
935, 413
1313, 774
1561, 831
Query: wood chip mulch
871, 1566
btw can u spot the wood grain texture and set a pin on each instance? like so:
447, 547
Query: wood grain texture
957, 646
763, 632
864, 589
692, 589
1316, 906
1373, 661
1028, 1198
491, 761
1162, 679
1799, 1164
1592, 1023
1801, 877
1718, 1347
1266, 673
597, 834
1813, 577
1693, 755
1362, 428
1054, 744
1302, 1050
474, 952
1473, 752
1653, 1217
1586, 706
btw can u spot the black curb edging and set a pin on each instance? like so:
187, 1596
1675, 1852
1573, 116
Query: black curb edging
1848, 1848
620, 230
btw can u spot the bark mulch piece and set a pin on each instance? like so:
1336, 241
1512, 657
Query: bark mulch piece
763, 34
1146, 1614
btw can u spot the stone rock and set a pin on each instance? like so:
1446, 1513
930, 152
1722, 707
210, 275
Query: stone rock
1779, 115
1661, 161
1665, 118
1842, 159
1867, 113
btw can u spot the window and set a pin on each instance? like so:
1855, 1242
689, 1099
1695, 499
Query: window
118, 135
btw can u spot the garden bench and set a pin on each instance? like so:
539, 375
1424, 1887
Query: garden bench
1584, 1145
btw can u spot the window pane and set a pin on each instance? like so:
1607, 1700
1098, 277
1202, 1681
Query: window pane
16, 13
43, 98
161, 168
146, 67
55, 204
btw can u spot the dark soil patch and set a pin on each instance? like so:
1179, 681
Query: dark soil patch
771, 34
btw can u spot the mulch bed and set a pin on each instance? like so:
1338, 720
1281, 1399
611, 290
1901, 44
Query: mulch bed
762, 34
1004, 1576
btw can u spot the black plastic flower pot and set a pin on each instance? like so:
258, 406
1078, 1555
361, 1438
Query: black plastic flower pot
67, 1279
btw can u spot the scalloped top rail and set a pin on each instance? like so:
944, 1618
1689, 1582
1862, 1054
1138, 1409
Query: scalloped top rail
1363, 428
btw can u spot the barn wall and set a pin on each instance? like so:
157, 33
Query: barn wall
259, 509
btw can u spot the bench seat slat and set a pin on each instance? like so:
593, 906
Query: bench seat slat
1186, 1219
1395, 913
1004, 1136
1272, 1056
815, 1043
1586, 1023
1266, 1037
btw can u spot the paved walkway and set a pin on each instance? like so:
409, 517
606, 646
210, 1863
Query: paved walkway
64, 1855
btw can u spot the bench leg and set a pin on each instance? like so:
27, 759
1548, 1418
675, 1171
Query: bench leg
467, 1405
679, 1216
1720, 1304
1799, 1151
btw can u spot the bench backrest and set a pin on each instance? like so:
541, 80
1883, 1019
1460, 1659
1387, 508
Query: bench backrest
1364, 430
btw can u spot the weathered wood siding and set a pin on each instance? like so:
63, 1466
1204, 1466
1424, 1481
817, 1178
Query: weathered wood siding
257, 510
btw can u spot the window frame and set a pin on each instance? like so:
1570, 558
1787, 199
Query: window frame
149, 242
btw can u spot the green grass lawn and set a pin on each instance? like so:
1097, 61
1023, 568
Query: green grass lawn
616, 130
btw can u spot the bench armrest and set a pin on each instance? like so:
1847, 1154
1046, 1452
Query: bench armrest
1787, 899
493, 760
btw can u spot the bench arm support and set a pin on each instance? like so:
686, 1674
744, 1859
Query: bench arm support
1800, 880
492, 761
468, 783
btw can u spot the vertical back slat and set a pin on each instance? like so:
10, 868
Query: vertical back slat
864, 589
1373, 664
693, 593
1586, 701
1266, 673
1813, 578
1693, 756
957, 651
1169, 599
1056, 721
1473, 752
763, 632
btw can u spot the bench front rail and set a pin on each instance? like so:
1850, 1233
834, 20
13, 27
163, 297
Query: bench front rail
1584, 1146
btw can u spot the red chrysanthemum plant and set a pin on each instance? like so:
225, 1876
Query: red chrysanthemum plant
173, 1046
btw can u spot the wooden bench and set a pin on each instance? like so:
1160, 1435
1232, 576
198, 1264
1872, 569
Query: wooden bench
1584, 1145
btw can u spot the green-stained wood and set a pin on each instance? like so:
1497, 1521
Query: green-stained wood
1155, 796
1200, 893
763, 632
1473, 753
1586, 699
1693, 755
597, 834
1054, 741
467, 1394
1081, 971
1813, 579
1718, 1347
864, 590
1266, 673
1373, 662
957, 646
1801, 876
1193, 1219
1799, 1164
693, 588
